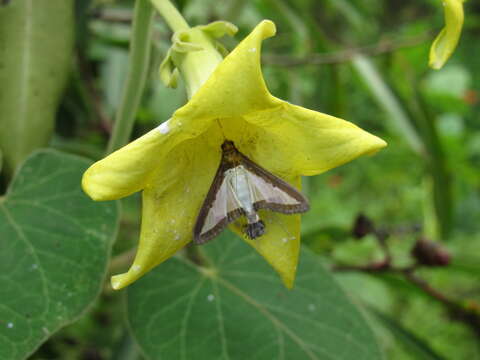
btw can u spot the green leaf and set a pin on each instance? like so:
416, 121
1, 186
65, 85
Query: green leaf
415, 347
36, 39
236, 308
398, 116
55, 245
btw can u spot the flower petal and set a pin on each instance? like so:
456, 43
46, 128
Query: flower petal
280, 245
236, 86
128, 169
446, 42
170, 210
292, 140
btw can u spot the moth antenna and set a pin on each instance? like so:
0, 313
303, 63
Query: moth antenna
221, 128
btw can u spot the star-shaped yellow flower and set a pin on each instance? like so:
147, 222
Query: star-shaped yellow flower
175, 163
447, 40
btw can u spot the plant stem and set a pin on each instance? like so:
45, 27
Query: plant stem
140, 47
171, 15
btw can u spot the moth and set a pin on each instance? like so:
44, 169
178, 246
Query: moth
240, 189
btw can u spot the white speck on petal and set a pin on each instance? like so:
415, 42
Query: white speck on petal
210, 297
252, 50
311, 307
285, 240
10, 325
136, 268
177, 237
115, 285
164, 128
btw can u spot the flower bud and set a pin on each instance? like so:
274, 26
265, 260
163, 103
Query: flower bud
429, 253
362, 226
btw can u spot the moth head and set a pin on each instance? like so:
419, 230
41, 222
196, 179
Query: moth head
229, 150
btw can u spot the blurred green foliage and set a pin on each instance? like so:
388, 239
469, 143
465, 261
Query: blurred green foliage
433, 189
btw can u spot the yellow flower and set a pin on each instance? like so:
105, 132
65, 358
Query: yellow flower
446, 42
175, 163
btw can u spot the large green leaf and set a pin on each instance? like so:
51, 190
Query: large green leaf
55, 244
413, 345
236, 308
36, 40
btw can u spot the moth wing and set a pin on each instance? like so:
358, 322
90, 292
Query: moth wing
271, 192
220, 208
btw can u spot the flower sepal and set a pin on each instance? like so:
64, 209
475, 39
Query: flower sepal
195, 54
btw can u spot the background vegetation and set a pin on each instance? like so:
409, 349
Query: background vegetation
400, 231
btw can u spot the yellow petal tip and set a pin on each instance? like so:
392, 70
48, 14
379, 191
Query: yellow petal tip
435, 64
122, 280
88, 185
268, 28
116, 285
369, 144
376, 145
118, 282
94, 188
288, 282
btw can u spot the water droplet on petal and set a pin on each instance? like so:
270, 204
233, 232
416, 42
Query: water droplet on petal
164, 128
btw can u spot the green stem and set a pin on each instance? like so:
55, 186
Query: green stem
171, 15
140, 47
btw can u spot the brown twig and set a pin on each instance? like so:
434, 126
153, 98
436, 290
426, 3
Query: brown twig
384, 46
467, 312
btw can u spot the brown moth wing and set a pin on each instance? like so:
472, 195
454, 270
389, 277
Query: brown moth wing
217, 229
198, 236
275, 181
